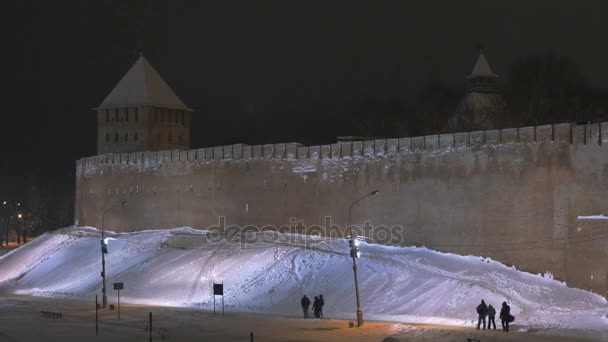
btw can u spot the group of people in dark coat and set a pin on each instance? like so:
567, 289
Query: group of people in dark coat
484, 310
317, 306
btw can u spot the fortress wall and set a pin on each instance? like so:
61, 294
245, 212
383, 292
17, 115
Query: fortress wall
513, 194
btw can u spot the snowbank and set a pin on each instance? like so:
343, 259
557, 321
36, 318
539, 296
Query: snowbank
396, 283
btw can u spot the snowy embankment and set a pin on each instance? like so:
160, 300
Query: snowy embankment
177, 267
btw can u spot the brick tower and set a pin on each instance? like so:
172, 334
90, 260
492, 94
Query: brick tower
142, 113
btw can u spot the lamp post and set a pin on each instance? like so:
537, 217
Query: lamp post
8, 210
354, 253
104, 251
5, 220
21, 219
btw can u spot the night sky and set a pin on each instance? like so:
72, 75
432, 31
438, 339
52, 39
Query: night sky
258, 71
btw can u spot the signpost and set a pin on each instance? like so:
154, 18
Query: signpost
218, 290
96, 317
118, 287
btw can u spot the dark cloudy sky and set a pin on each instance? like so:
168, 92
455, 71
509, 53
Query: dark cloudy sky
260, 71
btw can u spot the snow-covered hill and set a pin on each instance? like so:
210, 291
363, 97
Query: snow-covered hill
177, 267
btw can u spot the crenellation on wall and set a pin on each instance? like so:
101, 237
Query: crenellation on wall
596, 133
146, 162
200, 155
192, 156
418, 144
279, 151
256, 152
431, 142
405, 145
357, 149
346, 150
237, 151
477, 138
392, 146
302, 152
209, 152
163, 157
247, 152
139, 158
527, 135
562, 133
227, 152
218, 152
291, 150
544, 133
579, 134
325, 151
174, 157
380, 147
368, 148
183, 156
446, 141
593, 134
334, 151
493, 137
314, 152
267, 151
462, 140
79, 171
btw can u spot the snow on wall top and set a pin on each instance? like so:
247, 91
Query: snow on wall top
588, 134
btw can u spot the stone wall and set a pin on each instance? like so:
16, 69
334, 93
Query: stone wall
513, 195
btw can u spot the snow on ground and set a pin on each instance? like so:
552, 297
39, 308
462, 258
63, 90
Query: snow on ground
176, 267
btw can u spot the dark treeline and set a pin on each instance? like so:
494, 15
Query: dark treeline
538, 89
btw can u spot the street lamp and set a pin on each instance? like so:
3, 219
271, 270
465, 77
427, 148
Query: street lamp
8, 210
354, 253
104, 251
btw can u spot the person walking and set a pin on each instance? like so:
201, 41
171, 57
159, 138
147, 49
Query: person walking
316, 306
505, 316
491, 317
305, 304
321, 304
482, 311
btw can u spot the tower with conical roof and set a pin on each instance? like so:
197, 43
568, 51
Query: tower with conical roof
142, 113
483, 106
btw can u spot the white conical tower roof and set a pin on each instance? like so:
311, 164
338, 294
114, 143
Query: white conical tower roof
142, 86
482, 68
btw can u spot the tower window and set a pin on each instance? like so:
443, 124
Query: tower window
126, 137
158, 138
107, 137
170, 138
116, 114
135, 136
127, 115
136, 114
115, 137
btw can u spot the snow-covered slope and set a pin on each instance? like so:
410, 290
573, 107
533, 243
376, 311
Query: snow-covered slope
177, 267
